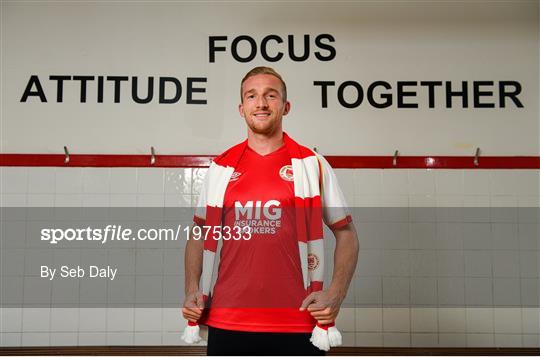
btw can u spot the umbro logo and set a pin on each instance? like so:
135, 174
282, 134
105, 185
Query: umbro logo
235, 176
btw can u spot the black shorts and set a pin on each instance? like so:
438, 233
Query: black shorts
226, 342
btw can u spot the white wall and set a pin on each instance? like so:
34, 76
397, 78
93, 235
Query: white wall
390, 41
374, 41
422, 282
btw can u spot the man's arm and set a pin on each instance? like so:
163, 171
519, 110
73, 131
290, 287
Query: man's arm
193, 261
345, 259
324, 305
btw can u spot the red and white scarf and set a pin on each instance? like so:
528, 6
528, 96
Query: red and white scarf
308, 177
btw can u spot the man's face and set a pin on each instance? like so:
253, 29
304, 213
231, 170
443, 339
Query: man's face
262, 104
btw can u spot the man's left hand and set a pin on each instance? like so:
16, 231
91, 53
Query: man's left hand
322, 305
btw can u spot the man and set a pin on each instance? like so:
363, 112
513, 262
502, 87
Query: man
262, 302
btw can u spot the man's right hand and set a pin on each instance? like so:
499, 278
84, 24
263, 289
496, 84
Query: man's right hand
193, 306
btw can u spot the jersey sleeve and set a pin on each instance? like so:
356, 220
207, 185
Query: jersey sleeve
199, 216
336, 212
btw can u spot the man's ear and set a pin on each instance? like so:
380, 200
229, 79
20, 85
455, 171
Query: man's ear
241, 109
287, 108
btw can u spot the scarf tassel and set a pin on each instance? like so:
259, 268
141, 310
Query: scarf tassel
325, 336
191, 333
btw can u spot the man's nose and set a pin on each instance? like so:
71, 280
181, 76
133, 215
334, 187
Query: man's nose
261, 102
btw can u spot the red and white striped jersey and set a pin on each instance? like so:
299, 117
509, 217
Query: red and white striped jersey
259, 287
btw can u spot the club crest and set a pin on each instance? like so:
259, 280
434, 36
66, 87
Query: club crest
313, 261
286, 173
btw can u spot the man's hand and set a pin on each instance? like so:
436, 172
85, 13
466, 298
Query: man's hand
322, 305
193, 306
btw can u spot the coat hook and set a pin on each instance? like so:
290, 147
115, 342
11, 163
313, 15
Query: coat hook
67, 158
153, 157
476, 155
394, 159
